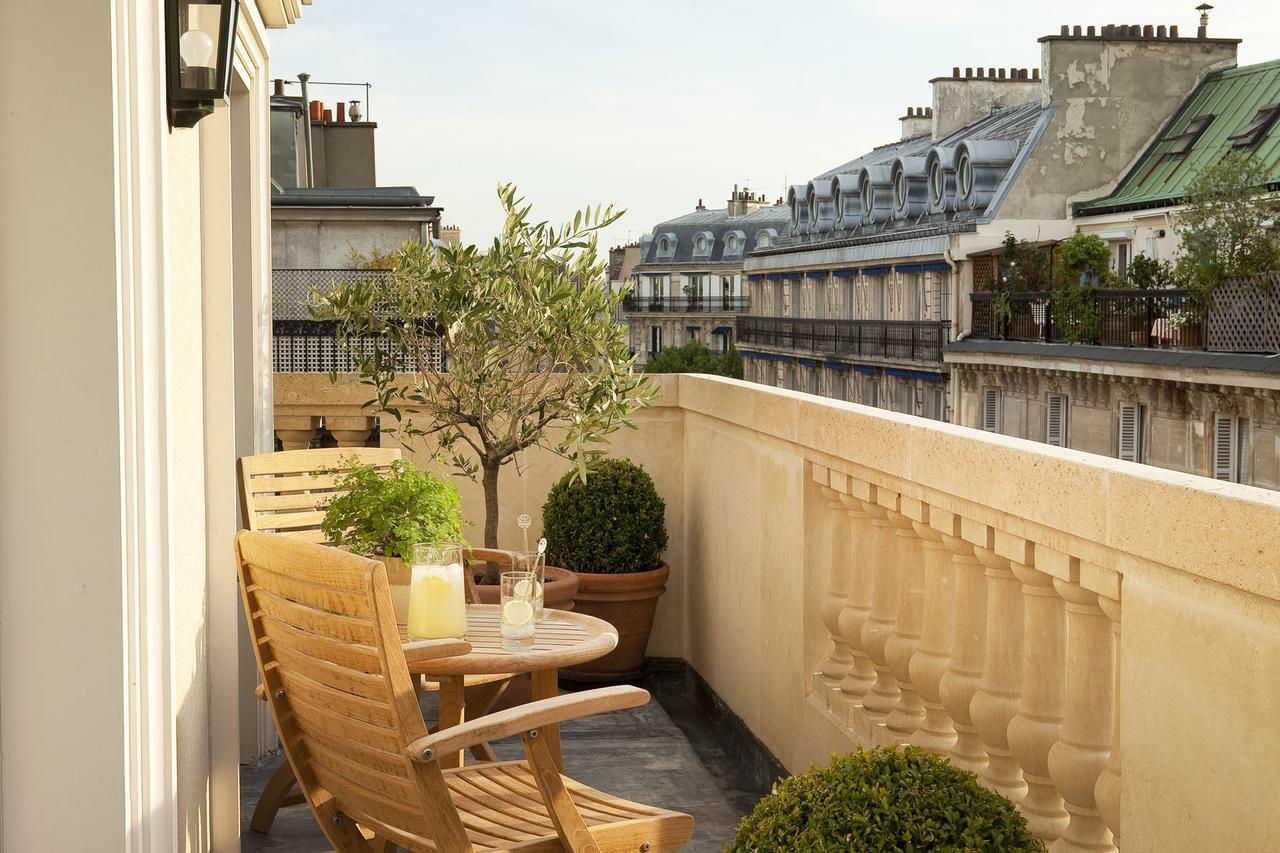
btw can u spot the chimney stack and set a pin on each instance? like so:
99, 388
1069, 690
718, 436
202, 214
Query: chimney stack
917, 122
1203, 31
961, 100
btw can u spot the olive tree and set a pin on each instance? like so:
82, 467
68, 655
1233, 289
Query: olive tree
531, 353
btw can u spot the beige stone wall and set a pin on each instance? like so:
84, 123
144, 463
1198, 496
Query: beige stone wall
1183, 570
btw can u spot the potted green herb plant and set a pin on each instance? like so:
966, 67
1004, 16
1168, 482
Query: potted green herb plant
383, 514
610, 530
884, 799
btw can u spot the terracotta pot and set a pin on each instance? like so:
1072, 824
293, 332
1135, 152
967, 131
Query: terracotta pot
559, 587
628, 602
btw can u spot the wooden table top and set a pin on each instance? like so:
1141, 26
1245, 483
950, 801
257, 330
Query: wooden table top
563, 638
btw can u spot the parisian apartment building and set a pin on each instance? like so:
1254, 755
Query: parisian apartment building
688, 284
330, 220
870, 282
1168, 378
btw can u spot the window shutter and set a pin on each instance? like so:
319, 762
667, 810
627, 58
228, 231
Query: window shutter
1128, 448
991, 409
1056, 421
1223, 449
1244, 452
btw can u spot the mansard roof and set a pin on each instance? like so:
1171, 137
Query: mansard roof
682, 235
916, 185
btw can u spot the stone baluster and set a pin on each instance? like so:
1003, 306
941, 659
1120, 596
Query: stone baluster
876, 631
1080, 755
1038, 723
1107, 791
930, 664
964, 671
857, 604
996, 701
836, 663
908, 713
349, 430
296, 431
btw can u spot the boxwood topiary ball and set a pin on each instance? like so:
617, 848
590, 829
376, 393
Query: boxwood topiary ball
614, 523
881, 800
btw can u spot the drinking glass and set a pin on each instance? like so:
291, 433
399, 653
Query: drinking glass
535, 563
437, 593
518, 616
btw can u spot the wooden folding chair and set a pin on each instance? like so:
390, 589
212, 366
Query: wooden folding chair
285, 493
337, 680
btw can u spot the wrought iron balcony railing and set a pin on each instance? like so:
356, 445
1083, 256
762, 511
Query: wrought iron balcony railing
916, 340
684, 304
1118, 318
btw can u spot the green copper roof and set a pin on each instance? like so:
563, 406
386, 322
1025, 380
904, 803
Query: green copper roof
1232, 98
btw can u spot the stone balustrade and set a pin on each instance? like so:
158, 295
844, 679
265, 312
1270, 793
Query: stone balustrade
1097, 640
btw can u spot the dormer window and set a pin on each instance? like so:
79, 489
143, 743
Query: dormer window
664, 245
701, 244
868, 202
731, 242
936, 184
762, 240
1255, 131
964, 175
1179, 144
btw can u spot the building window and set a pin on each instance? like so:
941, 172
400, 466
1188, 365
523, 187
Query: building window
1131, 444
1231, 448
1179, 144
1255, 131
871, 390
1055, 422
691, 334
655, 340
936, 402
991, 409
1124, 252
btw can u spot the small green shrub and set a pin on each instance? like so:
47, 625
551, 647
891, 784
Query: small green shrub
613, 523
1085, 258
884, 799
387, 513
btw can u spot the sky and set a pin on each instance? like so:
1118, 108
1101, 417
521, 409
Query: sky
654, 106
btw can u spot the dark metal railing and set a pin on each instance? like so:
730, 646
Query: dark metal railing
683, 304
915, 340
1127, 318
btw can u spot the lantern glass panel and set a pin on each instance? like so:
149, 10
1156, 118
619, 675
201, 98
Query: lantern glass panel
200, 25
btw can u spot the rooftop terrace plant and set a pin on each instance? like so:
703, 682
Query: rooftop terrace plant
387, 513
614, 522
532, 354
884, 799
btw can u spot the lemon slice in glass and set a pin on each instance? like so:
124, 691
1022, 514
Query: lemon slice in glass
516, 613
522, 589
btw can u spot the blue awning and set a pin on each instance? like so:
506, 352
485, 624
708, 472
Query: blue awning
754, 277
848, 272
930, 266
875, 271
722, 330
807, 362
865, 368
792, 276
928, 377
899, 372
837, 365
816, 273
774, 276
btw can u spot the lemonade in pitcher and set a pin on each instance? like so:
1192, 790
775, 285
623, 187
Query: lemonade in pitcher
437, 593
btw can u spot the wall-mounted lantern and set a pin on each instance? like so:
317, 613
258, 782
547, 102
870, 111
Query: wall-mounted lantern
200, 35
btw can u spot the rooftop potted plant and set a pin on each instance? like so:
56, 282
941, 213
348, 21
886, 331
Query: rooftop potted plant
610, 529
383, 514
527, 331
884, 799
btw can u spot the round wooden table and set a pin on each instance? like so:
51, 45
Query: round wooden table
562, 638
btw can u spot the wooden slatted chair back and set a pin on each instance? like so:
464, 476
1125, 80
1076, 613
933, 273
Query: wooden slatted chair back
284, 493
330, 658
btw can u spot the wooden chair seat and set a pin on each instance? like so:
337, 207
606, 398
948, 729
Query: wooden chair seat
502, 810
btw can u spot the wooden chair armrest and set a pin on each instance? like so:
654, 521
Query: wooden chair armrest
526, 717
420, 650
